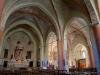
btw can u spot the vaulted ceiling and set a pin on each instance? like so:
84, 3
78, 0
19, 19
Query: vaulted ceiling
34, 15
77, 5
61, 10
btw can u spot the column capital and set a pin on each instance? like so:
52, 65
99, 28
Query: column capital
94, 24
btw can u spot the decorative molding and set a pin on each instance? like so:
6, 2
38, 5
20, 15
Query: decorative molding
92, 12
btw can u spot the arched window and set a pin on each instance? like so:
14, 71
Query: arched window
83, 51
52, 49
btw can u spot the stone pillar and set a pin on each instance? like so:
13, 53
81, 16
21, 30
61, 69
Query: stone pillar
1, 29
96, 45
1, 40
1, 35
60, 55
91, 57
66, 67
1, 6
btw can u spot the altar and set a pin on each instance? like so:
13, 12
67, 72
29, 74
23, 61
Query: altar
20, 65
16, 64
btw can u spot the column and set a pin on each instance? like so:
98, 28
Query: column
1, 6
66, 67
42, 55
96, 45
91, 57
60, 55
1, 41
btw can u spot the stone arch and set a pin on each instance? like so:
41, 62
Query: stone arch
51, 29
79, 48
79, 24
7, 13
18, 23
17, 30
31, 39
92, 11
24, 22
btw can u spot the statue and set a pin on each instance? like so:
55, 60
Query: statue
18, 52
